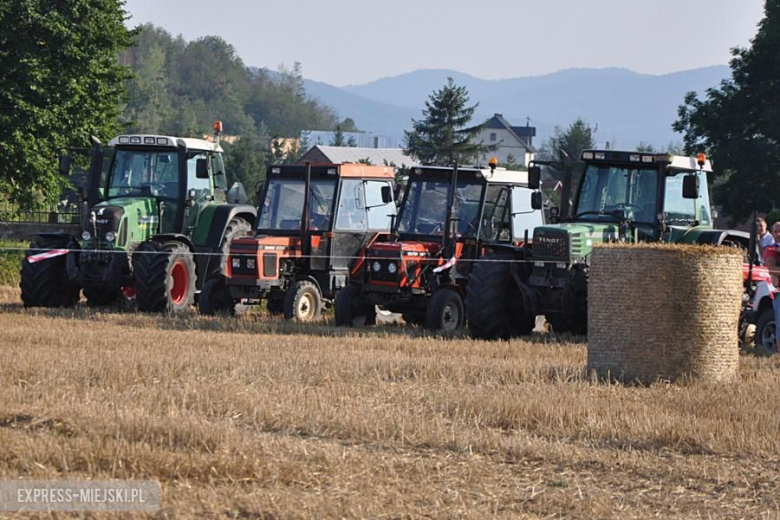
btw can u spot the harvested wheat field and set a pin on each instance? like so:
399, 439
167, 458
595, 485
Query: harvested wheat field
252, 417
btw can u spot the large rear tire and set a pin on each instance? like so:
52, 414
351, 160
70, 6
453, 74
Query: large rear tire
237, 227
302, 302
445, 311
45, 283
494, 304
350, 311
164, 277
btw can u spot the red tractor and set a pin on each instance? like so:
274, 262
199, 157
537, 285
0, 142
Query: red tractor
448, 219
313, 225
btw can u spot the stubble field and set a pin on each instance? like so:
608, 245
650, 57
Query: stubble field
253, 417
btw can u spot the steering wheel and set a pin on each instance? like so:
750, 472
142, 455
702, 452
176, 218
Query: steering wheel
157, 188
624, 206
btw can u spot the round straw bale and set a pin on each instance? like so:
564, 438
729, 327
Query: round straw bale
664, 311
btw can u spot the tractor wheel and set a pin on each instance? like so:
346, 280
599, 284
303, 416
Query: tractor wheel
302, 302
45, 283
164, 277
215, 298
350, 312
100, 296
237, 227
766, 331
494, 305
575, 322
445, 311
275, 305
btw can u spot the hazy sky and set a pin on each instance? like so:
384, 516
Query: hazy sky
357, 41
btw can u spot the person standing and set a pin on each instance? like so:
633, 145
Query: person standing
772, 259
765, 238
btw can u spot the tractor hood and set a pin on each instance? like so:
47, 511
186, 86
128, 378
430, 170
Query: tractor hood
571, 241
404, 248
128, 219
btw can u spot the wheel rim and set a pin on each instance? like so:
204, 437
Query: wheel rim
768, 338
306, 307
180, 282
450, 317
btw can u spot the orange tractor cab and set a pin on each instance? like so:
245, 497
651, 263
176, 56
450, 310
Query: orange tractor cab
447, 220
313, 226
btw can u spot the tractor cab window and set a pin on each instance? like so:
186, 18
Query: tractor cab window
352, 206
524, 217
379, 213
424, 209
495, 216
282, 207
202, 187
220, 175
680, 211
137, 173
612, 192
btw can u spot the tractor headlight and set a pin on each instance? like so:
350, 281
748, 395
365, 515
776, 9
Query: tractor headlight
392, 268
235, 262
250, 263
110, 236
376, 267
85, 235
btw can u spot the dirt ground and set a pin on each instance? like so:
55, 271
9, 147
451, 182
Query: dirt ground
256, 418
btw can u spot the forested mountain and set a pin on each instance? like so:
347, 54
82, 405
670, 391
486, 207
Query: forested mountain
181, 87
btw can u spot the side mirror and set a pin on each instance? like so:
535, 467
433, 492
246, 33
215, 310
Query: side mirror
64, 164
387, 194
534, 177
690, 187
202, 169
536, 200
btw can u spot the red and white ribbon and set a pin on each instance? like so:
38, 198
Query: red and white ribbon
449, 264
45, 256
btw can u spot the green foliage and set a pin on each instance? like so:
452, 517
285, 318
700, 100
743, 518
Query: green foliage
443, 136
645, 147
348, 125
11, 256
573, 140
61, 82
338, 137
511, 163
245, 162
181, 87
738, 124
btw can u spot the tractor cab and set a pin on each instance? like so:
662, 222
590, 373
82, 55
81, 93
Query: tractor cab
447, 216
313, 223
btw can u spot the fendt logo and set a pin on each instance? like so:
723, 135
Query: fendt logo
549, 240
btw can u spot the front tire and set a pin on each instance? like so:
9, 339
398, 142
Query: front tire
766, 332
494, 304
164, 277
302, 302
100, 296
350, 311
445, 311
45, 283
215, 299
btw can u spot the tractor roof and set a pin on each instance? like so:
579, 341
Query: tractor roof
163, 141
675, 162
499, 175
362, 171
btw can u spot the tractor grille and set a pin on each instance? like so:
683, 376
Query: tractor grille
269, 265
550, 244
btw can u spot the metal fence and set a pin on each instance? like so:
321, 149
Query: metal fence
61, 214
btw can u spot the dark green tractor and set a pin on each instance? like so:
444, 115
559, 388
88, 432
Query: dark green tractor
623, 196
157, 221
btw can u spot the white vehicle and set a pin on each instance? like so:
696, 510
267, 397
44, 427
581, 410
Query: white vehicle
758, 328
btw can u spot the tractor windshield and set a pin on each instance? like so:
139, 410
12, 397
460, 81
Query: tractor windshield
283, 205
424, 209
610, 193
144, 173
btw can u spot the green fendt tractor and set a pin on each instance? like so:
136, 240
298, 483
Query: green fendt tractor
156, 226
623, 196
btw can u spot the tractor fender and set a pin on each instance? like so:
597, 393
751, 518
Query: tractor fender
175, 237
718, 237
306, 277
223, 214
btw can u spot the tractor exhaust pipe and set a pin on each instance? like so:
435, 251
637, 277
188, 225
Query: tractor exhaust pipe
449, 240
305, 241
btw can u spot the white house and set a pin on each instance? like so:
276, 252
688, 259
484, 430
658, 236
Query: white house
511, 140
